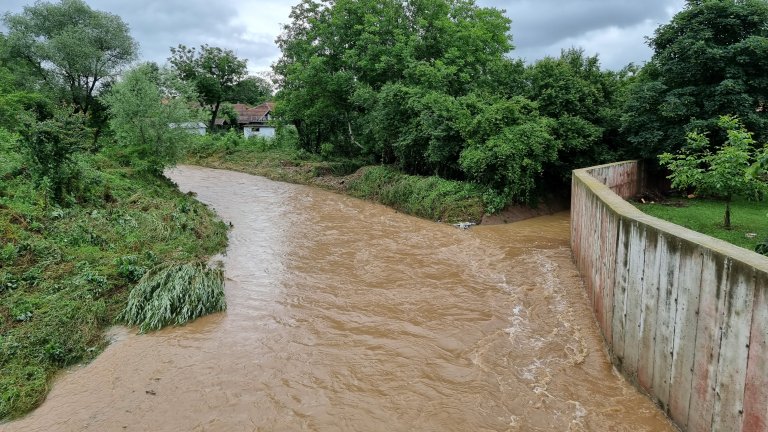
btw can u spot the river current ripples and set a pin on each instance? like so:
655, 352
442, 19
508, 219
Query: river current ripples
348, 316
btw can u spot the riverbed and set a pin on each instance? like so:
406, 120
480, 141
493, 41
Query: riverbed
345, 315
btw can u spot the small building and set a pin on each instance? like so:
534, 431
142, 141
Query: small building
253, 120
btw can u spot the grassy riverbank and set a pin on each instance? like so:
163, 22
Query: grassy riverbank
429, 197
65, 272
749, 219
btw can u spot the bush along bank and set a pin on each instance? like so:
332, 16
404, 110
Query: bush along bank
429, 197
66, 270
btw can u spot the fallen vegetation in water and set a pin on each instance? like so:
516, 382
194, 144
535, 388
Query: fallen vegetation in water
174, 294
66, 270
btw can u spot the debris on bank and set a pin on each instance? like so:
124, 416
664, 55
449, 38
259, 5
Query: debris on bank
464, 225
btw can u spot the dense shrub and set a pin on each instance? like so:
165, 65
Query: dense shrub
428, 197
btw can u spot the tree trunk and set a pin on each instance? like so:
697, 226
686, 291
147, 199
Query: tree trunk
727, 219
352, 136
214, 114
96, 135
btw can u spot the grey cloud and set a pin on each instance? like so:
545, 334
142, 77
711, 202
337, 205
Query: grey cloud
542, 22
543, 27
159, 25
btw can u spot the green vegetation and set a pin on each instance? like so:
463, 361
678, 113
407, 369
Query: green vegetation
175, 294
428, 197
709, 61
65, 271
277, 159
705, 216
70, 51
84, 213
50, 149
724, 173
426, 86
147, 123
215, 73
425, 89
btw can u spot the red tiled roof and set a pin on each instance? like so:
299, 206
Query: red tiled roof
247, 114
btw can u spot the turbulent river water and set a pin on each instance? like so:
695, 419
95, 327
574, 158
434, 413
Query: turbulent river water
348, 316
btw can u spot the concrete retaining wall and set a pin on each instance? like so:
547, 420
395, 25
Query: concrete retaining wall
684, 315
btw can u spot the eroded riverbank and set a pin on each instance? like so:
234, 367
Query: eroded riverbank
345, 315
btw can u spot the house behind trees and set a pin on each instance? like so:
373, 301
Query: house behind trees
252, 120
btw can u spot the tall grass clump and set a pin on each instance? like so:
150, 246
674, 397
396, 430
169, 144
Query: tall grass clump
428, 197
174, 294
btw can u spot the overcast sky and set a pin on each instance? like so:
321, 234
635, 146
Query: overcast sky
614, 29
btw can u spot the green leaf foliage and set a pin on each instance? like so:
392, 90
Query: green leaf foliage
72, 48
50, 147
510, 148
710, 60
150, 114
174, 294
65, 271
215, 73
252, 90
337, 59
426, 85
429, 197
721, 173
584, 103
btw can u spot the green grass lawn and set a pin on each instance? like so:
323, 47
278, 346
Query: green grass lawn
706, 216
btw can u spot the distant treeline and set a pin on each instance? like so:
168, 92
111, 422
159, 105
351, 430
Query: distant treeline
429, 85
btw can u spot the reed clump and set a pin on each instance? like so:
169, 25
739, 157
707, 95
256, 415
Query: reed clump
174, 294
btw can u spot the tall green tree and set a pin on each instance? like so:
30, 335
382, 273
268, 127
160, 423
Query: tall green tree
710, 60
149, 111
74, 49
252, 90
585, 105
214, 72
338, 57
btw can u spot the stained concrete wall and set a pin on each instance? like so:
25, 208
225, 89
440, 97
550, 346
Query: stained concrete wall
684, 315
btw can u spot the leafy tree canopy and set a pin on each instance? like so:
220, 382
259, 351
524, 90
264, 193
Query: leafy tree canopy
337, 57
215, 73
71, 47
149, 111
584, 103
427, 85
710, 60
252, 90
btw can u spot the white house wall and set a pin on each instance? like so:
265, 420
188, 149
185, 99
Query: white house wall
266, 132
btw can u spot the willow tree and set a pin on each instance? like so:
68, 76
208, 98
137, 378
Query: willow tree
76, 50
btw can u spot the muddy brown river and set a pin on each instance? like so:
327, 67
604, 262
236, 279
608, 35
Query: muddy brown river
348, 316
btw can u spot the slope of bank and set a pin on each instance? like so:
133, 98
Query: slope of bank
429, 197
65, 272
